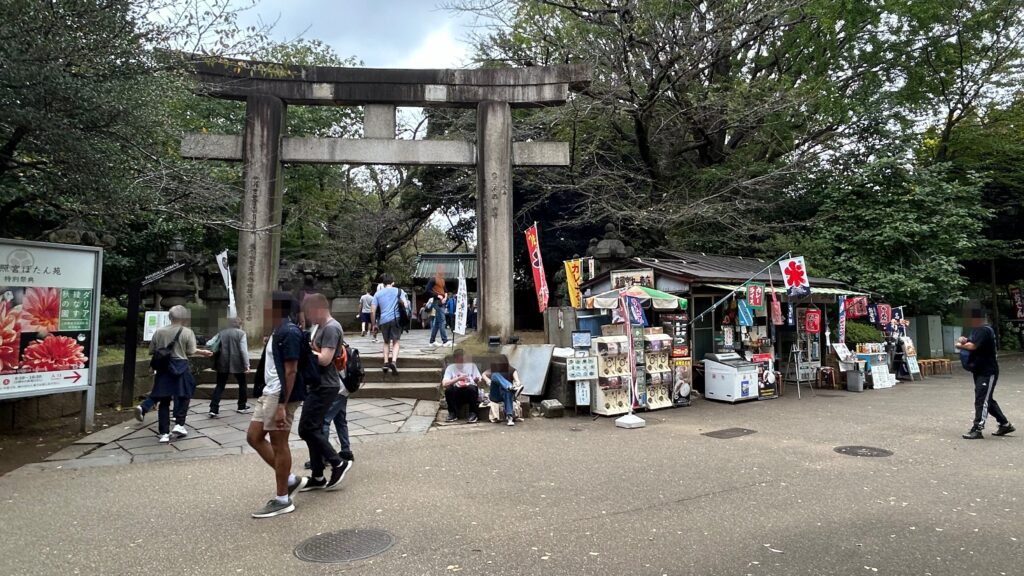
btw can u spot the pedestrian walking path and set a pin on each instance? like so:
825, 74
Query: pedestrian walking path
134, 442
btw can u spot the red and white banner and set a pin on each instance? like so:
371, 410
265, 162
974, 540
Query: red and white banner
794, 274
884, 314
540, 281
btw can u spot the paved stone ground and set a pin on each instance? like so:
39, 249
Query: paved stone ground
577, 496
134, 442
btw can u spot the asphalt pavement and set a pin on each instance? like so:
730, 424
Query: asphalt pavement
577, 496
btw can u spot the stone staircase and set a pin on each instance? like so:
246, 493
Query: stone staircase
418, 378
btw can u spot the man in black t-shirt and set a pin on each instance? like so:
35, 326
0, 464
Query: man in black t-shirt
985, 369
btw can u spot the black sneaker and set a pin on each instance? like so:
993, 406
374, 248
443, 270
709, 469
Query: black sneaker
393, 367
347, 456
973, 435
473, 417
274, 508
314, 484
300, 482
1004, 429
450, 418
338, 474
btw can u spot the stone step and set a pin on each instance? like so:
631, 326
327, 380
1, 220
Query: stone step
416, 390
483, 412
404, 375
404, 362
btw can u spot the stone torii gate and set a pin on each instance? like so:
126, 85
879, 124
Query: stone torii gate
268, 89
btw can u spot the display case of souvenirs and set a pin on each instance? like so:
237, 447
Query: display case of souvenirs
659, 390
610, 395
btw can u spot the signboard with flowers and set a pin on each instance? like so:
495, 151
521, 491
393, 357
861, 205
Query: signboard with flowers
49, 303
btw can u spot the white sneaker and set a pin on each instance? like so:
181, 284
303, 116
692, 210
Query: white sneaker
165, 438
179, 431
511, 421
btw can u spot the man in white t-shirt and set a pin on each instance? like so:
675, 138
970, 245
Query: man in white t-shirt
460, 382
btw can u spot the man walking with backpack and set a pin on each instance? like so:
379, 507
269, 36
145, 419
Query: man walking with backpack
171, 346
978, 355
326, 348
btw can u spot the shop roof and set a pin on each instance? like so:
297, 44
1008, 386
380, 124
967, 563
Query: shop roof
447, 263
781, 290
711, 269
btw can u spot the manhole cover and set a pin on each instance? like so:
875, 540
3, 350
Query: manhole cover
344, 546
865, 451
727, 433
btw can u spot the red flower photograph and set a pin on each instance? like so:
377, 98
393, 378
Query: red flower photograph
53, 353
40, 310
10, 337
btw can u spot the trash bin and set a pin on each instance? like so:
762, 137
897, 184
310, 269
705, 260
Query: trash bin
854, 381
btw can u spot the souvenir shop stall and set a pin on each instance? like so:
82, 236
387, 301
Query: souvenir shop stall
893, 356
640, 362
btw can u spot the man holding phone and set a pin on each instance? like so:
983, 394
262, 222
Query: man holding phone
460, 383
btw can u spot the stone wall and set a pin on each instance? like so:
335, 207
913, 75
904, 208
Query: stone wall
24, 412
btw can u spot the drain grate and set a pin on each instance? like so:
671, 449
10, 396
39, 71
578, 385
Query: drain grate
344, 546
727, 433
865, 451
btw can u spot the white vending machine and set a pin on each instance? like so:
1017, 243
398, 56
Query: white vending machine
728, 377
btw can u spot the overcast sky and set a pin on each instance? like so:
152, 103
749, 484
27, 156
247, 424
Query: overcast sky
381, 33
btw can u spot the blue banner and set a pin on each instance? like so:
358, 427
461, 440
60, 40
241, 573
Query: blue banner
745, 315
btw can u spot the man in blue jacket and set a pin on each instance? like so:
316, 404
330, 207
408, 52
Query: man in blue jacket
280, 389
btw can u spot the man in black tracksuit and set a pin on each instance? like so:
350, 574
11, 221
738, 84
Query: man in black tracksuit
985, 368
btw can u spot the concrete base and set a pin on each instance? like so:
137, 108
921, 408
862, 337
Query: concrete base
630, 421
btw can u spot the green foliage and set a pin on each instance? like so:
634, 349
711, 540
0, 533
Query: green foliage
858, 333
112, 320
894, 229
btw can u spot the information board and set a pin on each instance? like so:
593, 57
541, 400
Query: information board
155, 320
49, 315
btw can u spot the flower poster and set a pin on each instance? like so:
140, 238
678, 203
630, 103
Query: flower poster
48, 317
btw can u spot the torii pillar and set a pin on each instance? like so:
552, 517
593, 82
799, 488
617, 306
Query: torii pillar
268, 89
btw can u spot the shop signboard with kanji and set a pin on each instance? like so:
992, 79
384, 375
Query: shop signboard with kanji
1017, 299
755, 296
49, 315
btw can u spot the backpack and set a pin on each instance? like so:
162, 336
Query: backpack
161, 361
354, 373
966, 359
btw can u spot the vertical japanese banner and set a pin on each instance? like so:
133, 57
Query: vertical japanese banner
884, 314
755, 295
745, 314
225, 273
1018, 304
842, 319
461, 302
573, 271
540, 281
777, 319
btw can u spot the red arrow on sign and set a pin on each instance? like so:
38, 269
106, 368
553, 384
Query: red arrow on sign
75, 378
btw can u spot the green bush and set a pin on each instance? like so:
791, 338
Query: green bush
112, 319
857, 333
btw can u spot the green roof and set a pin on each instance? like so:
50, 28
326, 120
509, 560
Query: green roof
428, 265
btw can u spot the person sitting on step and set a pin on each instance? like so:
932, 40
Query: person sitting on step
461, 386
505, 388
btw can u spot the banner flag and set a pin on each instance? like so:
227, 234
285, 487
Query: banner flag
540, 281
225, 272
744, 313
794, 275
842, 319
812, 321
461, 302
573, 272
